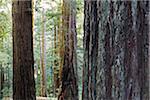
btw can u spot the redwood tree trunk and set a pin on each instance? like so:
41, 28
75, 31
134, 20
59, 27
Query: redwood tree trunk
69, 72
23, 63
122, 50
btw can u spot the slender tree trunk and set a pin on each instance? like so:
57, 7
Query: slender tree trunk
56, 61
23, 63
1, 71
60, 52
69, 72
43, 60
122, 50
1, 80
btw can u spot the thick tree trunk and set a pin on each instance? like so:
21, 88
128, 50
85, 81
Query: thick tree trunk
69, 72
23, 63
122, 55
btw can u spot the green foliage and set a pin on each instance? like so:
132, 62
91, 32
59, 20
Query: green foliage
6, 46
5, 18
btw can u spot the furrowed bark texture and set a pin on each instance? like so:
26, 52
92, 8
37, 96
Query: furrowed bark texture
23, 65
90, 50
121, 50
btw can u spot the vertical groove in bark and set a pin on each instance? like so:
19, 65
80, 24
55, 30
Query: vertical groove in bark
142, 42
85, 92
107, 60
23, 70
94, 48
148, 44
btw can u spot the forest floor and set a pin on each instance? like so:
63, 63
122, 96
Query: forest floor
37, 98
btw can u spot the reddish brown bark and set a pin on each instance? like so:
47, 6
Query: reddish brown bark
23, 63
69, 71
122, 53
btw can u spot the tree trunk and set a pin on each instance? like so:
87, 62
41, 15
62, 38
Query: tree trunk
121, 50
69, 72
56, 61
23, 63
43, 59
1, 80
